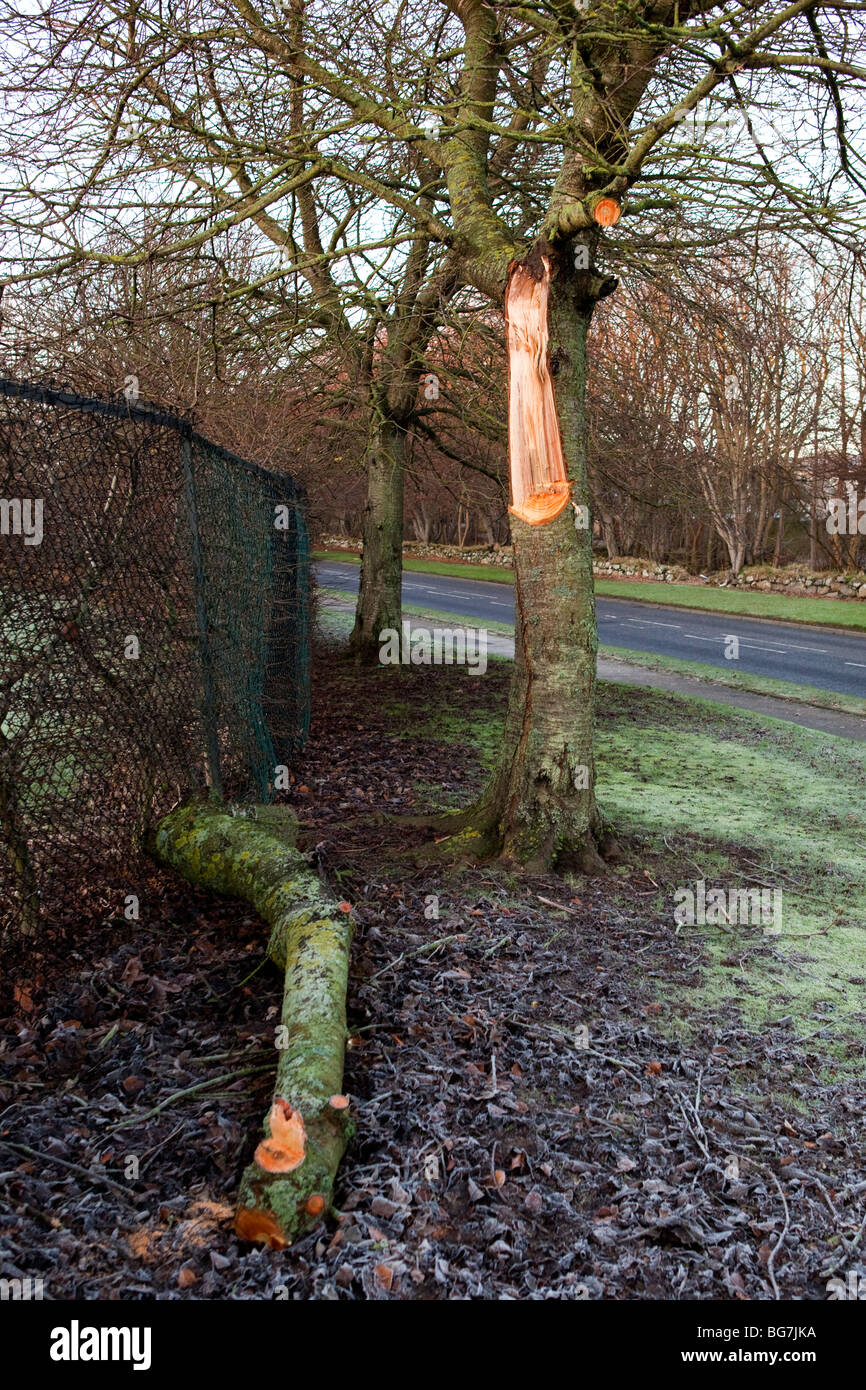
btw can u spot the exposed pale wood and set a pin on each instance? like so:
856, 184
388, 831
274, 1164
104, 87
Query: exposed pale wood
539, 483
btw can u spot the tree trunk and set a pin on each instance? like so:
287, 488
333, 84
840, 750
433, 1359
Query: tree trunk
737, 554
696, 532
780, 537
608, 531
539, 808
422, 523
813, 510
288, 1186
380, 602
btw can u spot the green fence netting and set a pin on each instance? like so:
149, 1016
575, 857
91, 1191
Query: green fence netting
154, 636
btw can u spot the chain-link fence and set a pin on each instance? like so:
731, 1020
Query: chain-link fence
154, 635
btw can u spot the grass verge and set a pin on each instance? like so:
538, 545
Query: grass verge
698, 791
742, 801
739, 680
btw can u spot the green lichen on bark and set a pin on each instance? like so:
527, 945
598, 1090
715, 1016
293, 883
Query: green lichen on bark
253, 856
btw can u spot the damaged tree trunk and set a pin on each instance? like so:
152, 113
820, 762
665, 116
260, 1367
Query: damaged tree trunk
289, 1184
540, 809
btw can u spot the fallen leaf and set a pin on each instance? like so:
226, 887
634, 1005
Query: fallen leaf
23, 998
385, 1275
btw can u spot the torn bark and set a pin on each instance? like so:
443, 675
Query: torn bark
539, 481
252, 856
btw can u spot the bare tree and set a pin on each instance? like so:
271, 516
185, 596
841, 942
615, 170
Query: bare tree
496, 146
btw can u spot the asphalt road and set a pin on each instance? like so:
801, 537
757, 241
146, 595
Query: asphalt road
814, 656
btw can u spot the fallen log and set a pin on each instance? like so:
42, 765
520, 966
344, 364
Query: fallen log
252, 855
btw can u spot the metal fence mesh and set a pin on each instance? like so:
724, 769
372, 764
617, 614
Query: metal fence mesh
154, 635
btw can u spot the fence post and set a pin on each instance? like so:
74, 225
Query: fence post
208, 711
285, 693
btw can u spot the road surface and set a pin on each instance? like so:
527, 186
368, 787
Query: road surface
804, 655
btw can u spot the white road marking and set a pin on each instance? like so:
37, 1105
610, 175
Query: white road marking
696, 637
856, 663
647, 622
410, 587
759, 648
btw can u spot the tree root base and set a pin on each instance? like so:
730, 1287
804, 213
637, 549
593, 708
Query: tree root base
476, 838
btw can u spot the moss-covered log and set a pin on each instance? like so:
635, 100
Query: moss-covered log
289, 1184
